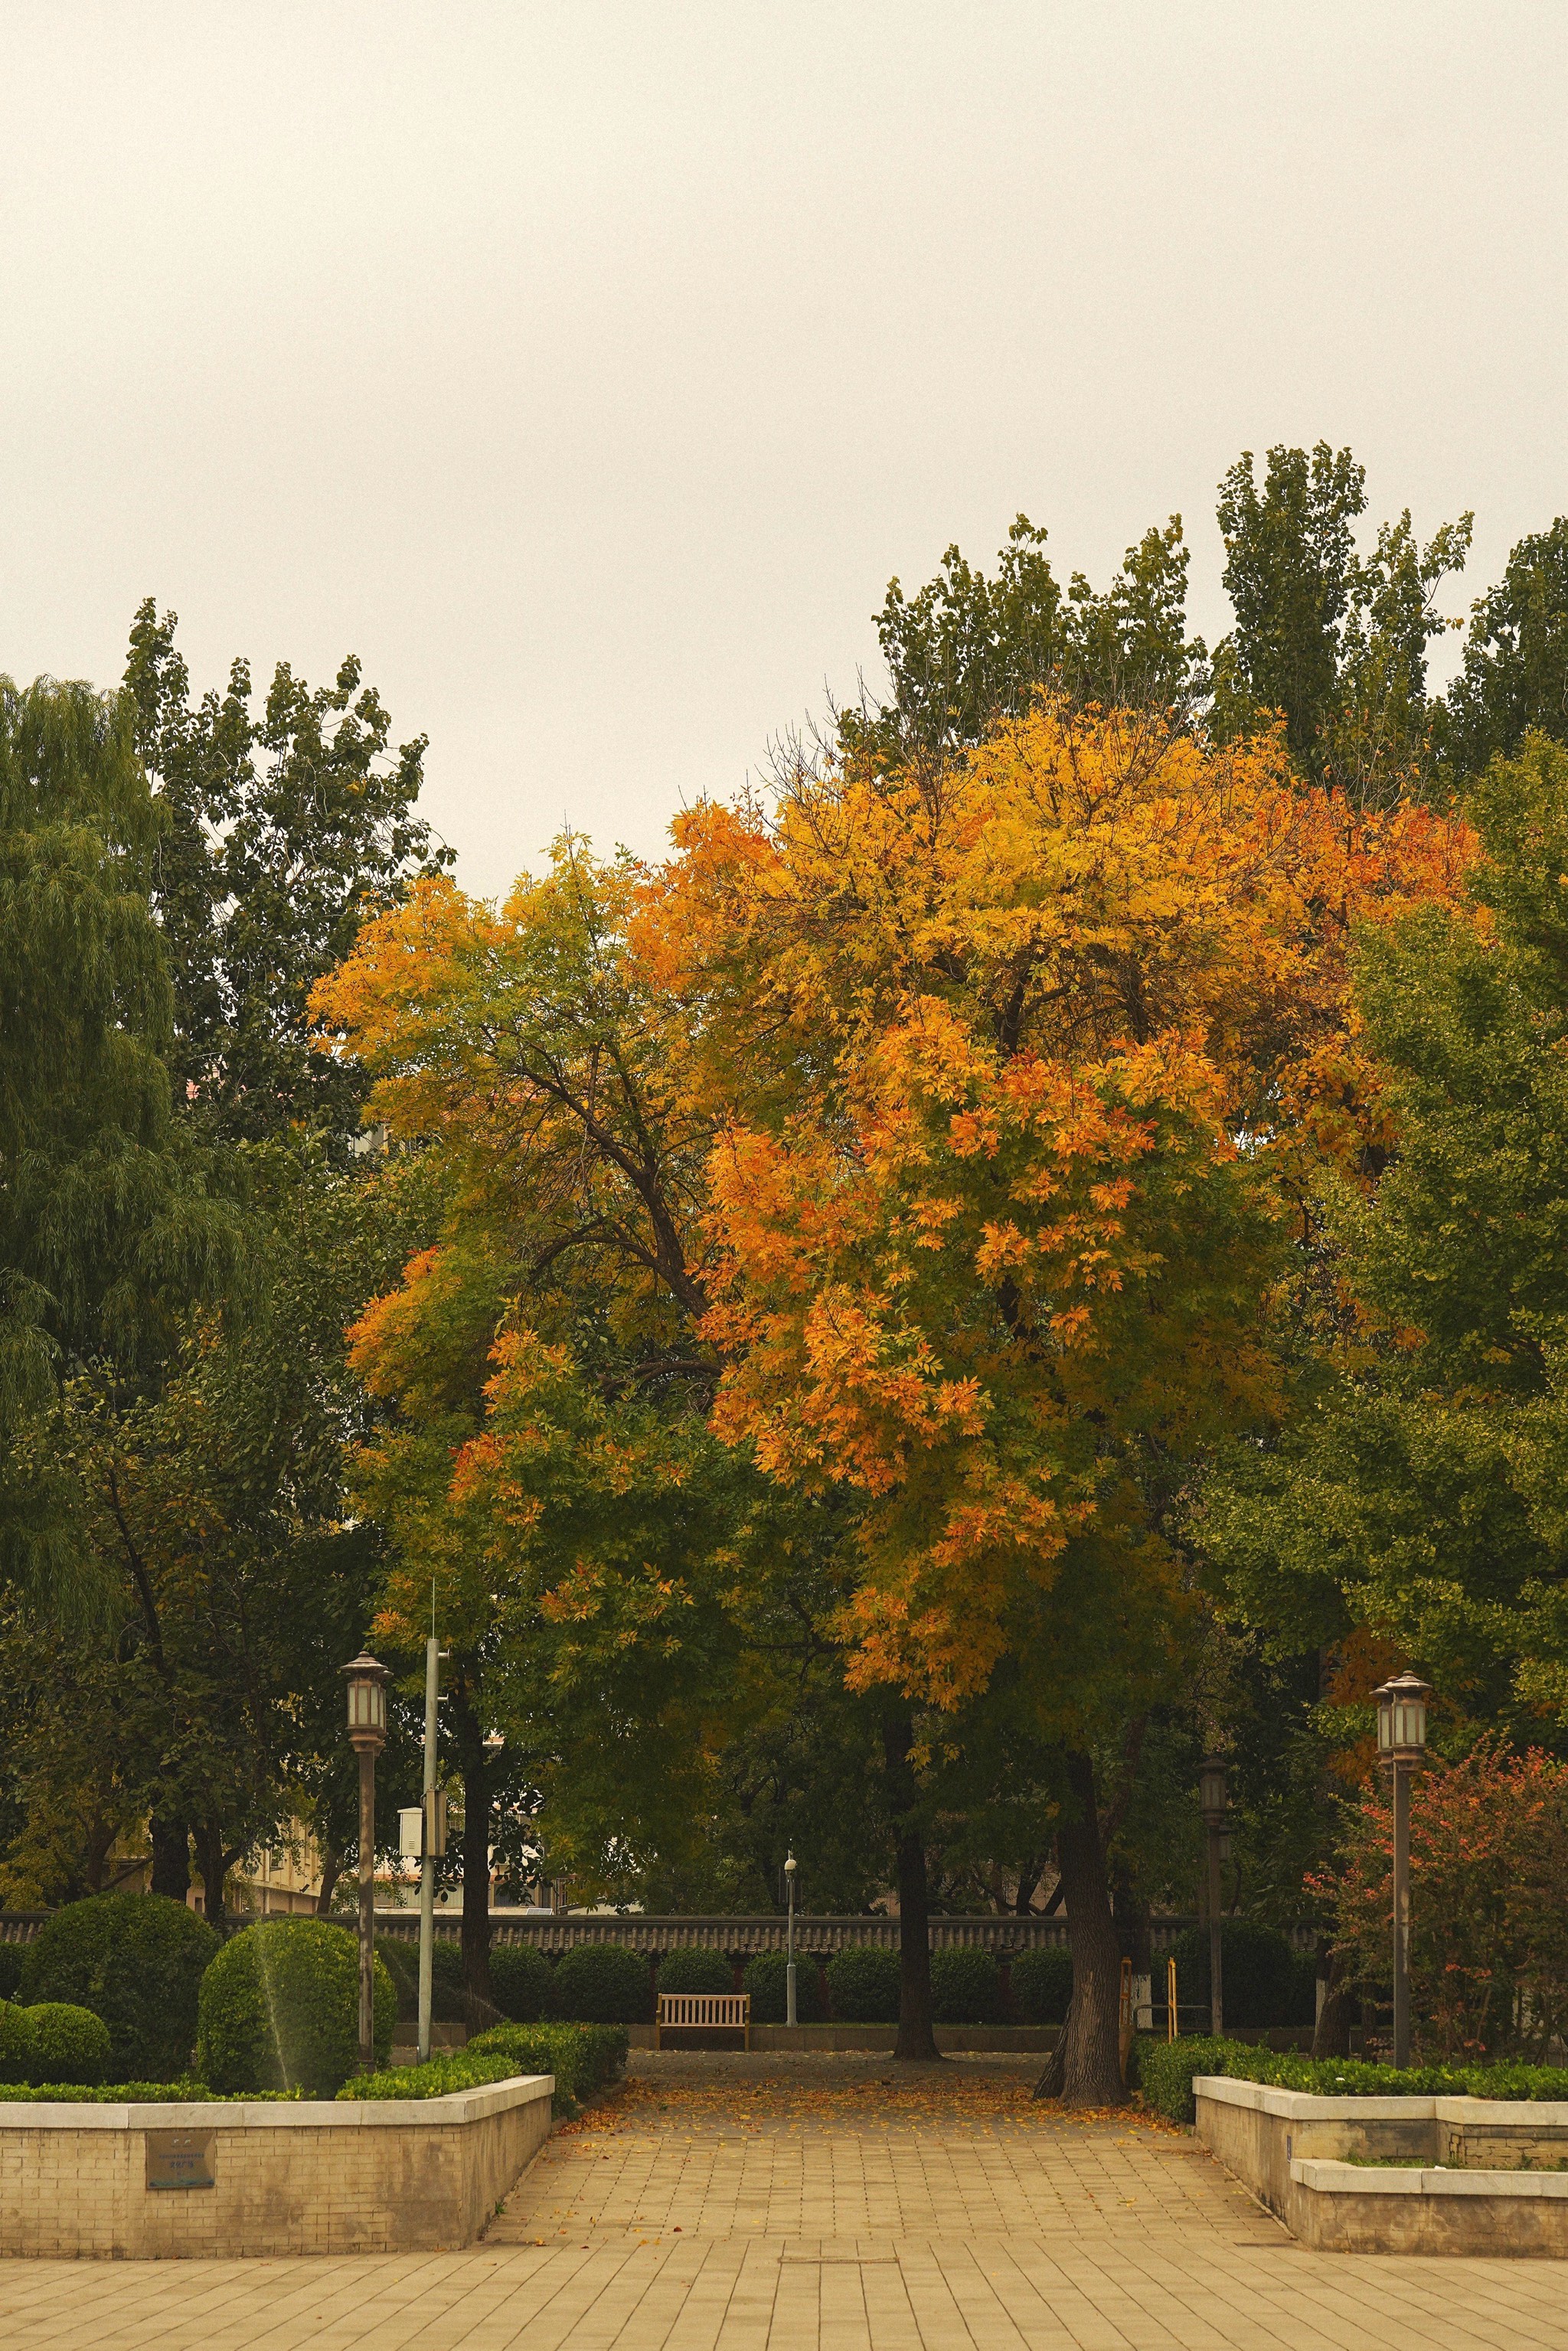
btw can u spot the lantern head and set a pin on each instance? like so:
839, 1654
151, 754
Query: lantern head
1211, 1790
367, 1679
1402, 1719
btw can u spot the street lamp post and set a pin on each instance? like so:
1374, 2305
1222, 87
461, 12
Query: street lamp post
1401, 1744
1211, 1795
367, 1679
790, 1942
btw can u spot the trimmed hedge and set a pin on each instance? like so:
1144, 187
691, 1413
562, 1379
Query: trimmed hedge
1264, 1980
137, 1961
522, 1980
765, 1979
966, 1987
104, 2094
600, 1983
1041, 1986
1165, 2071
695, 1970
16, 2044
862, 1984
280, 2008
583, 2057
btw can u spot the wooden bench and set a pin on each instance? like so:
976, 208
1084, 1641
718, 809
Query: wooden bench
704, 2012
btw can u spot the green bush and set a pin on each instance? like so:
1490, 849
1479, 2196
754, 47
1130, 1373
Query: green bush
104, 2094
582, 2058
280, 2008
1165, 2072
1261, 1979
69, 2043
522, 1980
862, 1984
16, 2042
696, 1971
966, 1987
600, 1983
765, 1981
137, 1961
12, 1955
1041, 1986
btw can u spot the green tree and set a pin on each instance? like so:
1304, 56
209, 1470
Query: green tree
1515, 673
108, 1225
966, 650
283, 830
1416, 1490
1289, 567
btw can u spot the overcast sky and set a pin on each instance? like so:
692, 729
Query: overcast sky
589, 368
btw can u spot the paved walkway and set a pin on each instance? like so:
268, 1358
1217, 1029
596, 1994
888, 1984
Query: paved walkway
801, 2204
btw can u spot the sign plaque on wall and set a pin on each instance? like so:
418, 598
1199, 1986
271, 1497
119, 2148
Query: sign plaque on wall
179, 2159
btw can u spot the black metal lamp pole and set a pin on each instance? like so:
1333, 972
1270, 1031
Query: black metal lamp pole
1211, 1795
367, 1679
1402, 1744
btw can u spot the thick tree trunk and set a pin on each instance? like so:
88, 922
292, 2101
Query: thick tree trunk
916, 2042
212, 1863
170, 1858
331, 1870
1088, 2059
1331, 2037
478, 1997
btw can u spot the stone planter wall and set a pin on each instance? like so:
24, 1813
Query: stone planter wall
1437, 2175
377, 2176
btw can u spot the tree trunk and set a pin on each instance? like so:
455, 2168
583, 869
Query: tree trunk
331, 1870
1089, 2050
916, 2042
170, 1858
212, 1863
475, 1763
1331, 2037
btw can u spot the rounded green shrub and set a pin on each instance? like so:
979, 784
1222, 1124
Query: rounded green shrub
966, 1987
12, 1955
765, 1981
136, 1960
862, 1984
280, 2009
600, 1983
16, 2042
69, 2043
1262, 1983
1041, 1983
522, 1980
696, 1971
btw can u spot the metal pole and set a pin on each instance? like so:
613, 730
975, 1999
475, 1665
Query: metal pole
1401, 1914
1216, 1897
427, 1849
367, 1910
790, 1964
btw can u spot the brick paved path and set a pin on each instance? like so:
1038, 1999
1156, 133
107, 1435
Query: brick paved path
797, 2205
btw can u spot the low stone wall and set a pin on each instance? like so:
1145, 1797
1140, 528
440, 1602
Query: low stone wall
1033, 2040
1434, 2175
220, 2178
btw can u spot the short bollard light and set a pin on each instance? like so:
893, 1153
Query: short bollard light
367, 1680
1402, 1745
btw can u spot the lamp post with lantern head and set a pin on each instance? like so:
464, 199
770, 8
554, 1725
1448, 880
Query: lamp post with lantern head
367, 1678
790, 1942
1211, 1796
1402, 1745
